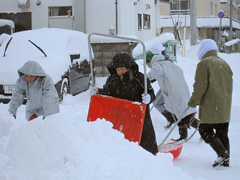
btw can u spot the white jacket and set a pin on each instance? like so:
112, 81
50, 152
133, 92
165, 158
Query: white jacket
42, 97
171, 81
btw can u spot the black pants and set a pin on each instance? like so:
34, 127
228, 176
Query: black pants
209, 131
148, 139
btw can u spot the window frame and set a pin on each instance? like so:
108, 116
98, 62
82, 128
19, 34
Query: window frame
60, 14
147, 22
140, 24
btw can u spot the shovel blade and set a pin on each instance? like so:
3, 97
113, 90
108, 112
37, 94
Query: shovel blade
174, 148
126, 116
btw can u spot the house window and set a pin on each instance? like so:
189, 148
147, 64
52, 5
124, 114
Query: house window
179, 6
146, 21
184, 5
165, 1
139, 22
175, 5
60, 11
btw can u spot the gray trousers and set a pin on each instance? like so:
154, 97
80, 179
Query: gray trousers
158, 103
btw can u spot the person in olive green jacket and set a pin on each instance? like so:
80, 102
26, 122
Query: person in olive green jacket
213, 93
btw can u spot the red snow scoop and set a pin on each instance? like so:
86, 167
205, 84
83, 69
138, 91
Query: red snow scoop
126, 116
174, 148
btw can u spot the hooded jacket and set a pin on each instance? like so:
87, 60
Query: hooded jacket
174, 88
212, 89
131, 87
42, 97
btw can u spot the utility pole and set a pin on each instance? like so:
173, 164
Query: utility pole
230, 18
193, 22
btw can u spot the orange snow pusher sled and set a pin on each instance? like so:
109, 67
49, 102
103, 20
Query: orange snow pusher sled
126, 116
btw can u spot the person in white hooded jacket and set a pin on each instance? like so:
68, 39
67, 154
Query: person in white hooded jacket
38, 87
174, 89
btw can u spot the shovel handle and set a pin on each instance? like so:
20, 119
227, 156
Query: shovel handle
163, 141
116, 37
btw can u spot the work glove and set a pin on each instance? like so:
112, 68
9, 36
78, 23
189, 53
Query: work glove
93, 90
146, 98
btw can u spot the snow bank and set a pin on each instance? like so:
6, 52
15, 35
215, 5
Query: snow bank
63, 147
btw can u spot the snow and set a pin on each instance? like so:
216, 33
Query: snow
138, 50
231, 42
22, 2
8, 22
58, 44
202, 22
66, 146
3, 37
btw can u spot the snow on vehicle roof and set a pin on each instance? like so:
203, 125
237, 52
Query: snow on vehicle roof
57, 44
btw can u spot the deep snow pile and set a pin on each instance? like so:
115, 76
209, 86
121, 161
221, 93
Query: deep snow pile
65, 146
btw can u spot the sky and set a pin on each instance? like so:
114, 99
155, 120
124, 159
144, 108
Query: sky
65, 146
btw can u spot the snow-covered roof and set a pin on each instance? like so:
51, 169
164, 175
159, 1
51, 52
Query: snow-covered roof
4, 22
202, 22
138, 50
231, 42
223, 1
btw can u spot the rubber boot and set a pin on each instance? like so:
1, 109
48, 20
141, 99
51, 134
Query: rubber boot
194, 122
170, 118
226, 162
182, 132
222, 153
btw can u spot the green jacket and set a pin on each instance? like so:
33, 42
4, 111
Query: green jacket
212, 89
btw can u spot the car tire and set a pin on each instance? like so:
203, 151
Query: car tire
64, 89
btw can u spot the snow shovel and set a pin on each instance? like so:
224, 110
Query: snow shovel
126, 116
99, 109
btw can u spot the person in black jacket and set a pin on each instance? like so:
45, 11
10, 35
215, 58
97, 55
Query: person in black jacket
126, 82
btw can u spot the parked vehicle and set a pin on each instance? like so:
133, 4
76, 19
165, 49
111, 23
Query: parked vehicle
63, 54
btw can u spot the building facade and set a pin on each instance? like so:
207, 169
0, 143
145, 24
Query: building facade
207, 19
123, 17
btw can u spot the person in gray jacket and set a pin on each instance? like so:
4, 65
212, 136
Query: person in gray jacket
174, 89
34, 84
212, 91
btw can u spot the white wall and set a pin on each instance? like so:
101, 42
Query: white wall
146, 34
39, 13
100, 16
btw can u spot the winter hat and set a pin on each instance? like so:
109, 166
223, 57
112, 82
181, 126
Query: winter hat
206, 45
32, 68
149, 56
157, 48
122, 60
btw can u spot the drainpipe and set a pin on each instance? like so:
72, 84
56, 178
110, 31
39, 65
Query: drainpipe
116, 7
231, 16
